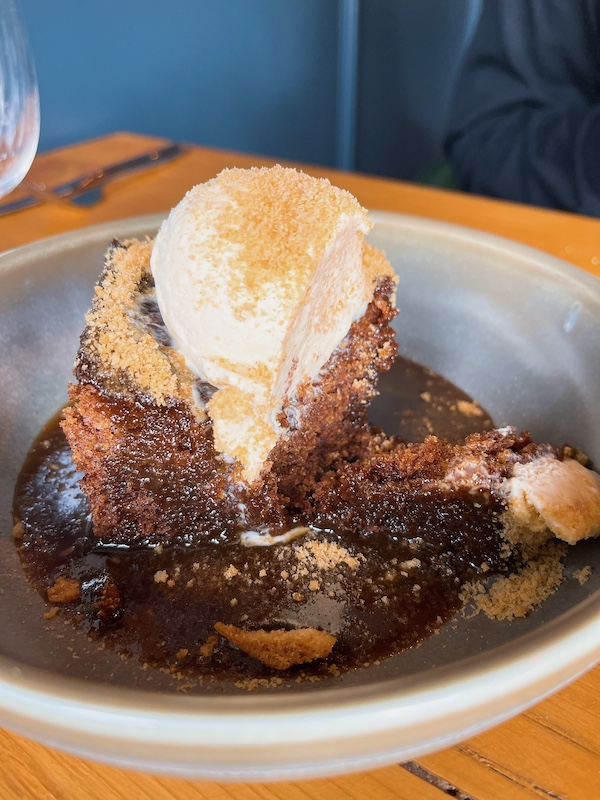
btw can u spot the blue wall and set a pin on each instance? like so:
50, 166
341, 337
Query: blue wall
253, 75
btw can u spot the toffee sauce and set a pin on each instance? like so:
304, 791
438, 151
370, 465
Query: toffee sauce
379, 594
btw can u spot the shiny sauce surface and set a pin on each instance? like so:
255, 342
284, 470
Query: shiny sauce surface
378, 594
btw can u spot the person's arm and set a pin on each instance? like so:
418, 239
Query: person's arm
525, 121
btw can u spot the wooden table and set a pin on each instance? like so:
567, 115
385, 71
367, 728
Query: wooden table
550, 751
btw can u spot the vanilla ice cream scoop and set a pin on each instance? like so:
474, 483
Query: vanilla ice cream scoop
259, 275
562, 496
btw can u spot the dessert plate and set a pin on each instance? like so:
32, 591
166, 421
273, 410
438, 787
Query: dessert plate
516, 329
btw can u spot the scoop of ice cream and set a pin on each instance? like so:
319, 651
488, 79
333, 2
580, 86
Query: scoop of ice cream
259, 275
562, 496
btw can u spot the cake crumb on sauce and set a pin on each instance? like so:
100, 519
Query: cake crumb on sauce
18, 530
208, 648
280, 649
325, 555
469, 409
64, 590
583, 575
515, 596
231, 572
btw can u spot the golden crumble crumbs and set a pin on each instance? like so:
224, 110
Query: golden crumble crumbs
583, 575
208, 648
514, 596
120, 345
18, 530
469, 408
280, 649
231, 572
64, 590
325, 555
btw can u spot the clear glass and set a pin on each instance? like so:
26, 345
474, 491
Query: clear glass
19, 100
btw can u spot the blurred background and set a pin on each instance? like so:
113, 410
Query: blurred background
358, 84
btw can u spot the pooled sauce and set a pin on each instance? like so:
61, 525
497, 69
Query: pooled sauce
378, 594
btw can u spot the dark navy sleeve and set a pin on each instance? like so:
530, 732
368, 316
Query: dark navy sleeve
525, 121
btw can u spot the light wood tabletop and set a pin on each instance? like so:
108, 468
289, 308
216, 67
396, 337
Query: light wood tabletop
550, 751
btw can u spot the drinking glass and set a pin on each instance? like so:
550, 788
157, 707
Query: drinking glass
19, 100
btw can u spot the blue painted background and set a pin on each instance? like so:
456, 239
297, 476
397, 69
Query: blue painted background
260, 76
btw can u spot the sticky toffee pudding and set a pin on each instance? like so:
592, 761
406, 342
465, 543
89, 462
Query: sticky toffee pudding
215, 500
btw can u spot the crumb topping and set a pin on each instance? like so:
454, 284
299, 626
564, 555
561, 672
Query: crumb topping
117, 344
469, 409
517, 595
64, 590
277, 236
324, 555
377, 266
583, 575
280, 649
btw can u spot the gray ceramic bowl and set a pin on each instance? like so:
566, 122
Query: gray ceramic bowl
516, 329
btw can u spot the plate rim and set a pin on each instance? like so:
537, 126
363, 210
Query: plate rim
123, 226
